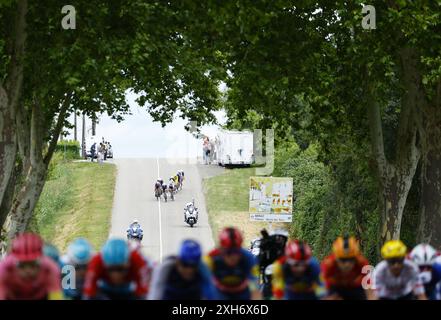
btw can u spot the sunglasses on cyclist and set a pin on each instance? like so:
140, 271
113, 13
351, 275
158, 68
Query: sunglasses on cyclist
28, 264
425, 268
188, 265
231, 252
346, 260
118, 269
293, 263
395, 261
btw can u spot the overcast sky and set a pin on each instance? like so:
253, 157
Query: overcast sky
139, 137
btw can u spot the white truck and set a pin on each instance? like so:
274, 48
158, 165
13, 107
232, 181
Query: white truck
234, 148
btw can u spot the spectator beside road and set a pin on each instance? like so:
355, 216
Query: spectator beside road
101, 151
206, 149
92, 151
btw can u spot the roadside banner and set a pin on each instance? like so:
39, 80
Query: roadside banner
271, 199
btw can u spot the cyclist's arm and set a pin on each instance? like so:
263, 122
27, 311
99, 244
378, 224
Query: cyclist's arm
418, 288
253, 278
3, 287
141, 274
208, 289
278, 283
93, 274
54, 282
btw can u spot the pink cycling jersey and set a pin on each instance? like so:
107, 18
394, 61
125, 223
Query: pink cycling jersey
13, 287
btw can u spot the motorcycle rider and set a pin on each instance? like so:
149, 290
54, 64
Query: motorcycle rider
343, 271
183, 277
135, 226
397, 278
235, 270
117, 273
79, 253
424, 255
27, 274
190, 211
296, 275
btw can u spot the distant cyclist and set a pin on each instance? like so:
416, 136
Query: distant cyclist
79, 254
397, 278
342, 271
158, 187
425, 256
235, 270
117, 273
171, 187
296, 275
180, 176
27, 274
183, 277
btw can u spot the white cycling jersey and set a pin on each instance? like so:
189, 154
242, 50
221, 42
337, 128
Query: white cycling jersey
388, 286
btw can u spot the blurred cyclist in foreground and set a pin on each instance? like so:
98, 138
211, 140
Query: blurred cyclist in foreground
117, 273
27, 274
425, 256
343, 271
183, 277
234, 269
396, 278
296, 275
79, 253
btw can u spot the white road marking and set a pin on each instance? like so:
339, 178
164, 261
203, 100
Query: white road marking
160, 219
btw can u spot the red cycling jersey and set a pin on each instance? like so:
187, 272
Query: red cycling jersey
333, 277
138, 273
14, 287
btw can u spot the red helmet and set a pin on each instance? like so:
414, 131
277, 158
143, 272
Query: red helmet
27, 247
298, 250
230, 238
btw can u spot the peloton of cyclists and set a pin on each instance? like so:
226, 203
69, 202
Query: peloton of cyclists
121, 271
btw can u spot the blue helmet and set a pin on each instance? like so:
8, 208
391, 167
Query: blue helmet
79, 251
52, 252
190, 252
115, 252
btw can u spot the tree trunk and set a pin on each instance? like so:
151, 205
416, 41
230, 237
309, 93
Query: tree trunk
6, 205
429, 230
26, 199
8, 145
36, 165
75, 126
395, 178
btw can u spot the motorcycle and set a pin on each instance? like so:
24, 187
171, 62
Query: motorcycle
134, 233
191, 216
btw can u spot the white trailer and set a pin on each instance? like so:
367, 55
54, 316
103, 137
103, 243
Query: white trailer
234, 148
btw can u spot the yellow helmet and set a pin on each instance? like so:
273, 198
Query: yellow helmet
393, 249
346, 247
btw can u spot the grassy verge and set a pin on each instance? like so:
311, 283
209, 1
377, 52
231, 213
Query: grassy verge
227, 197
76, 202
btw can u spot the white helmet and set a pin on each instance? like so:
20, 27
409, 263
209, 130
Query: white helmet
269, 270
280, 232
189, 204
423, 255
135, 221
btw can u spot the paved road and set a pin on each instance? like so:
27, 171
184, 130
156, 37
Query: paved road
162, 222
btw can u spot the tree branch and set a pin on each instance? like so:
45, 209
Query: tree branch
376, 130
58, 128
14, 80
